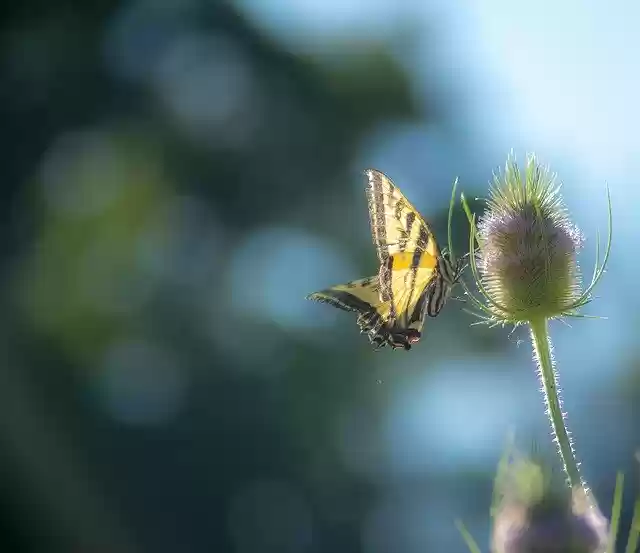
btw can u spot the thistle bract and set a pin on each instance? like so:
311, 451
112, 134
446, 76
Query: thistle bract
528, 245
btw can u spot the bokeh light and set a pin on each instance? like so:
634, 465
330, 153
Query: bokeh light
270, 516
141, 384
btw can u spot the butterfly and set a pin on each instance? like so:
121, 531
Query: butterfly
415, 278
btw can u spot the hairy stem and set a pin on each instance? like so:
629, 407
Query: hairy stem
548, 377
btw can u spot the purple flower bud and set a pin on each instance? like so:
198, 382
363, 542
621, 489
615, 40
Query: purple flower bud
549, 529
535, 517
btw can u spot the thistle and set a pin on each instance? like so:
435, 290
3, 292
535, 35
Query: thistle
532, 514
523, 255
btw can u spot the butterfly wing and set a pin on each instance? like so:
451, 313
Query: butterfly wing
363, 297
407, 250
396, 225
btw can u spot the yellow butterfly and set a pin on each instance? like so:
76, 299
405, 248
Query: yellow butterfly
415, 277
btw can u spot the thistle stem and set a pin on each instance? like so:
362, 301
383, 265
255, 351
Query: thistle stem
549, 378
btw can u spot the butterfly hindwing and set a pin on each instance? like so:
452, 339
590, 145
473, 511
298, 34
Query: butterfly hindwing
358, 295
363, 297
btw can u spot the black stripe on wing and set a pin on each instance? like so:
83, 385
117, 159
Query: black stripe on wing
369, 320
342, 300
436, 296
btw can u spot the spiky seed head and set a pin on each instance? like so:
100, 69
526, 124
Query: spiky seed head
528, 245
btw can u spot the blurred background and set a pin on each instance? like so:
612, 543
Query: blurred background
178, 174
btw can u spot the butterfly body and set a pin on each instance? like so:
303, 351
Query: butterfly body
414, 280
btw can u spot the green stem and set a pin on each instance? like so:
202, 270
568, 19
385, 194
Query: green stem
548, 377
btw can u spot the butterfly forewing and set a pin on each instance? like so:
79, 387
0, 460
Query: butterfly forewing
396, 226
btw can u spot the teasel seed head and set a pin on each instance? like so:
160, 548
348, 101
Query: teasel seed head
528, 245
523, 252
